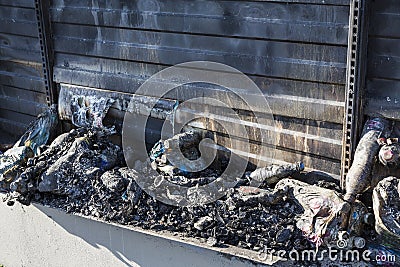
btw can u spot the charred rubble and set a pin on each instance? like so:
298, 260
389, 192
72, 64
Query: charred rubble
82, 171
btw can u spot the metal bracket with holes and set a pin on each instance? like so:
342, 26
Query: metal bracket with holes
42, 8
355, 80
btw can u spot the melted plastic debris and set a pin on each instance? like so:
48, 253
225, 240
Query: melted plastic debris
40, 130
30, 144
89, 111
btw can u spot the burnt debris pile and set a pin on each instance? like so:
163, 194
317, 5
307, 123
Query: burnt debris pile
82, 171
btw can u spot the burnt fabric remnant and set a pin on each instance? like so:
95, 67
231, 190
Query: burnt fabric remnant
386, 203
359, 177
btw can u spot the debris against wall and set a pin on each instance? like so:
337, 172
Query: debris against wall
83, 172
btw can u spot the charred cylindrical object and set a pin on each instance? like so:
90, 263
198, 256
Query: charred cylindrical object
359, 176
389, 155
272, 174
183, 140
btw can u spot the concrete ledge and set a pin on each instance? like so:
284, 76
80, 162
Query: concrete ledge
36, 235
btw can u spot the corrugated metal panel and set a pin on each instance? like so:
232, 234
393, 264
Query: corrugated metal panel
383, 84
295, 51
22, 92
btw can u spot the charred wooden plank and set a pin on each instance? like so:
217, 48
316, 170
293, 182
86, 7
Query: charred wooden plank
263, 20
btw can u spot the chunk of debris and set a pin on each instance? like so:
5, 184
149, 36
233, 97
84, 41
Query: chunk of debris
389, 155
203, 222
283, 235
272, 174
87, 111
359, 178
386, 205
114, 181
325, 212
11, 160
87, 156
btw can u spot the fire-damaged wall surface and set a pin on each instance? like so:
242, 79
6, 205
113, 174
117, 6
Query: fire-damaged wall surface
295, 51
383, 80
22, 90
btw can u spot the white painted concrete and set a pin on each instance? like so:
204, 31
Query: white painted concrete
39, 236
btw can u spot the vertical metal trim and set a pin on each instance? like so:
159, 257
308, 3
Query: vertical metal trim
42, 8
355, 81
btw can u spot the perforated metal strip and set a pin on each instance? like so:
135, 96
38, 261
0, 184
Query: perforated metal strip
42, 8
357, 43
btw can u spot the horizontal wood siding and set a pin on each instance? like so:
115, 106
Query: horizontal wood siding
22, 91
383, 81
295, 51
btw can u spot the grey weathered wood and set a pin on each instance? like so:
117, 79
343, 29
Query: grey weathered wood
29, 69
21, 93
281, 51
126, 75
387, 67
387, 107
256, 20
19, 42
295, 51
28, 107
26, 28
116, 4
12, 127
27, 82
383, 97
381, 46
384, 25
18, 3
18, 117
7, 53
17, 13
280, 104
383, 81
284, 60
297, 141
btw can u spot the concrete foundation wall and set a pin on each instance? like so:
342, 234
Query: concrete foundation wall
39, 236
